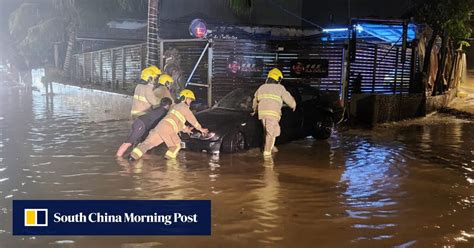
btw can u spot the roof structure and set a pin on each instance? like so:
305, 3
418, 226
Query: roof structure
385, 31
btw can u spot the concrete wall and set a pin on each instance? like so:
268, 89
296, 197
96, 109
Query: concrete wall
96, 105
435, 103
371, 109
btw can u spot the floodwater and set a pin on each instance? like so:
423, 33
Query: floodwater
401, 185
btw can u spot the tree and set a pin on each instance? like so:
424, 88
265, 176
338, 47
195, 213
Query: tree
449, 20
35, 27
91, 13
26, 25
242, 7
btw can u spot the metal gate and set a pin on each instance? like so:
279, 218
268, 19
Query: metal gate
272, 54
381, 69
214, 75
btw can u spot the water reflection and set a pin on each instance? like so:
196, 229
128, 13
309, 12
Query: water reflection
267, 204
372, 181
156, 178
399, 186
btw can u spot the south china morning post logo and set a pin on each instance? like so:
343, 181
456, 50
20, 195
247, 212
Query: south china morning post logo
36, 217
114, 217
98, 217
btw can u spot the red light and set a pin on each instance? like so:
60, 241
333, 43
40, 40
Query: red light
200, 32
198, 28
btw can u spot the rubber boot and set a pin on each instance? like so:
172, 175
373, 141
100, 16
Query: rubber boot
136, 154
172, 152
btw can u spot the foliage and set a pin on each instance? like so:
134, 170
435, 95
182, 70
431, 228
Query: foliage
447, 16
134, 5
95, 14
458, 29
241, 7
39, 46
449, 20
35, 27
24, 17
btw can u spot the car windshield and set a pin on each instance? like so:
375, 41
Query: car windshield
239, 99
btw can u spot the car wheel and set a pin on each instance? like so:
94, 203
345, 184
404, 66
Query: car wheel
323, 128
234, 142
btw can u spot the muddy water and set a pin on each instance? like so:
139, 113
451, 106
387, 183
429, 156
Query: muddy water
406, 185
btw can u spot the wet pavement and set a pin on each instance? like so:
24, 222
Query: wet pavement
408, 184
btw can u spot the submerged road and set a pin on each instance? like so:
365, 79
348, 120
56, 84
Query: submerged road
408, 184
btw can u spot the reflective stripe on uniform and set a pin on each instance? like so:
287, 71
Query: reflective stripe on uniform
270, 96
137, 113
138, 152
173, 123
170, 154
173, 154
269, 113
178, 115
140, 98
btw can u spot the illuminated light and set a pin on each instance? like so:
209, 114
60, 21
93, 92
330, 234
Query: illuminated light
198, 28
200, 32
334, 30
358, 27
391, 33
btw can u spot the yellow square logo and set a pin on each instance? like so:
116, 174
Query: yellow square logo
36, 217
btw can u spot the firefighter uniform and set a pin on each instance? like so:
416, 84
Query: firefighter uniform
162, 91
144, 98
167, 131
268, 100
143, 124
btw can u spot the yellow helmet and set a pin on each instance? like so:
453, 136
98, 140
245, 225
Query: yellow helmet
187, 94
165, 78
275, 74
147, 73
155, 70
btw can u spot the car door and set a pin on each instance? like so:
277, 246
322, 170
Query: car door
291, 121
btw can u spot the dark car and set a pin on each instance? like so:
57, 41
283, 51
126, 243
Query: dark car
233, 129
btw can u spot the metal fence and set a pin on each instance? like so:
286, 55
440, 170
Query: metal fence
273, 54
116, 66
379, 65
382, 69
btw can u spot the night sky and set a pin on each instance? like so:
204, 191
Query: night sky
318, 11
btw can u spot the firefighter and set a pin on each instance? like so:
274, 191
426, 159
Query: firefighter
167, 130
144, 98
156, 70
164, 84
268, 101
143, 124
